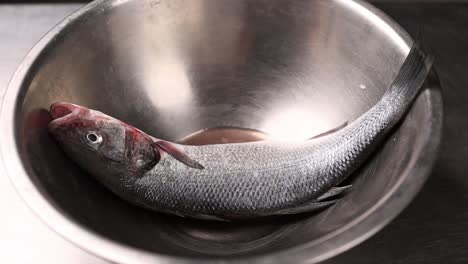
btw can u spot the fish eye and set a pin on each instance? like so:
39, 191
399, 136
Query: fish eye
93, 137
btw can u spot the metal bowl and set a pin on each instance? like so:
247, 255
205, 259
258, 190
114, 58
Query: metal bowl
291, 69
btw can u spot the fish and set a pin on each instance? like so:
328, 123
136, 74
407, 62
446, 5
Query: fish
236, 180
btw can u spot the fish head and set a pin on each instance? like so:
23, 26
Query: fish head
107, 148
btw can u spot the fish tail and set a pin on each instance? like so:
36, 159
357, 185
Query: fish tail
411, 76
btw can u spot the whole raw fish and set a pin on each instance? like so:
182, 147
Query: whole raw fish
228, 181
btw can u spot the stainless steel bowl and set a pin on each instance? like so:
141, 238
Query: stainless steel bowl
289, 68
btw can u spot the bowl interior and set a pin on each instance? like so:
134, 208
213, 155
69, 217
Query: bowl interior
292, 69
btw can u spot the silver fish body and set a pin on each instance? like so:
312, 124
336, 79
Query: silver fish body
268, 178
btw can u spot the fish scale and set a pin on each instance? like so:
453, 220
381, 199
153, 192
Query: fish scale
227, 181
287, 174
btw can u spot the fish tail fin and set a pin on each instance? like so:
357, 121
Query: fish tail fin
411, 76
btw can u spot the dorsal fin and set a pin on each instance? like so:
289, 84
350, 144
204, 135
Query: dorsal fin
172, 150
331, 131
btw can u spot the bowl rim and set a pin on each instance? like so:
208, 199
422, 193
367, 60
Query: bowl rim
334, 243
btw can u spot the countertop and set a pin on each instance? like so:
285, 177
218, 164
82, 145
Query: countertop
433, 229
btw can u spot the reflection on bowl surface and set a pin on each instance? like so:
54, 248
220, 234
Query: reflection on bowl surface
278, 69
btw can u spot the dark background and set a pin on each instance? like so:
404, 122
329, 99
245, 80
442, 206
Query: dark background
434, 228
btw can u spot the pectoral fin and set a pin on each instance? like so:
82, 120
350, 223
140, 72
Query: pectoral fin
178, 154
